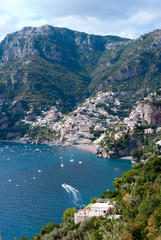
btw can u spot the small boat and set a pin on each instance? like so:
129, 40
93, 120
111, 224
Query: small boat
62, 165
39, 170
71, 160
17, 185
80, 162
63, 185
34, 178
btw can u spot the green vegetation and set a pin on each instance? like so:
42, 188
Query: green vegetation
139, 130
127, 67
149, 147
122, 142
15, 132
116, 144
41, 133
138, 195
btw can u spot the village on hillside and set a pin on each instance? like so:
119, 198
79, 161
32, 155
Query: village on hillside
90, 121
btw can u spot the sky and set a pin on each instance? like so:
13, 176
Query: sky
124, 18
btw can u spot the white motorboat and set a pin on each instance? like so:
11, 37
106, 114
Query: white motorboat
62, 165
71, 160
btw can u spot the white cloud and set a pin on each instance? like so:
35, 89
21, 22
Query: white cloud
124, 18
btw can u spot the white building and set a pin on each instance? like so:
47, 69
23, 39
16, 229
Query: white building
98, 209
91, 210
158, 143
118, 135
149, 131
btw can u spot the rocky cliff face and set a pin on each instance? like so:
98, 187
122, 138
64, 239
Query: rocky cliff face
50, 42
10, 115
114, 152
101, 152
149, 112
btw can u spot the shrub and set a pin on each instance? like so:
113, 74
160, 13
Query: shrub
157, 217
48, 228
68, 215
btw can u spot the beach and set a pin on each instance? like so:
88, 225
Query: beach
88, 147
128, 157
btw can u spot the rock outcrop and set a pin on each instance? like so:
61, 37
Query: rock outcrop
133, 143
101, 152
149, 111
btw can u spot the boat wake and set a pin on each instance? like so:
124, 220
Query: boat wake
73, 191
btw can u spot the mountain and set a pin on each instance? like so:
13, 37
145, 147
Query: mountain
130, 66
49, 66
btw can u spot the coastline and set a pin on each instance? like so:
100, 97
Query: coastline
87, 147
93, 149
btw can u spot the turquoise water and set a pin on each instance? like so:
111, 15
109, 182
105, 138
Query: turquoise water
40, 197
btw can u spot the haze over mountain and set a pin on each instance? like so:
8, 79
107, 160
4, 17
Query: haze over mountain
46, 66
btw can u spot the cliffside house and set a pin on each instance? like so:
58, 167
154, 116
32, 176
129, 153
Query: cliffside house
91, 210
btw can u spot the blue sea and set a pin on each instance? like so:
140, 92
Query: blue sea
31, 178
